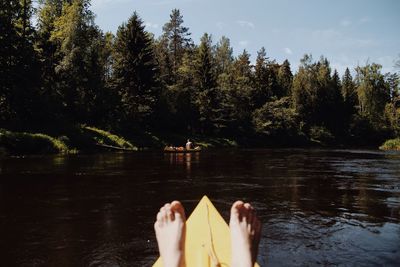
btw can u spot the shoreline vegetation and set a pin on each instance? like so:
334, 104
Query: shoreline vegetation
391, 144
137, 90
90, 139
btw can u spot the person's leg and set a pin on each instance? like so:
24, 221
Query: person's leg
170, 228
245, 230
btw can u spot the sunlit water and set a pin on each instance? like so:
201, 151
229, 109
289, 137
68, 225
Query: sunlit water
318, 207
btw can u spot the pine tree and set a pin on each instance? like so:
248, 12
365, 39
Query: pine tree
224, 117
239, 95
134, 72
316, 95
206, 101
349, 94
285, 78
177, 41
223, 56
9, 36
19, 68
261, 92
205, 74
335, 120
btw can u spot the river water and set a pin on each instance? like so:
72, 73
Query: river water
318, 207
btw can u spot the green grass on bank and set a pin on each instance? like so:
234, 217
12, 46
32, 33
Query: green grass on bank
105, 138
391, 144
76, 139
31, 143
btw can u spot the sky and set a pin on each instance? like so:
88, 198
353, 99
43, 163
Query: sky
348, 32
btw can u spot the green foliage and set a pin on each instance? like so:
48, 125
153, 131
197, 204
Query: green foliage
316, 94
19, 66
206, 95
134, 73
80, 68
392, 115
28, 143
277, 120
223, 57
67, 72
263, 79
285, 78
176, 41
106, 138
321, 135
391, 144
373, 92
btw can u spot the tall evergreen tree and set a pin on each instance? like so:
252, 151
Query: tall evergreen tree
240, 93
223, 56
176, 39
316, 95
261, 92
134, 72
285, 78
349, 92
349, 95
206, 85
223, 61
19, 69
335, 120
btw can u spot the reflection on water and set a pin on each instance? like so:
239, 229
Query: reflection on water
186, 159
319, 207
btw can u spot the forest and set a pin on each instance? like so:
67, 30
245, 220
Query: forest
62, 76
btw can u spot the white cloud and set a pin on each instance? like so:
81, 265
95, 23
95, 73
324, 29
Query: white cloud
244, 43
345, 22
288, 50
151, 25
244, 23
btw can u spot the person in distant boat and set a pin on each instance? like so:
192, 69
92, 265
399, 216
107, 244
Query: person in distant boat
189, 145
244, 225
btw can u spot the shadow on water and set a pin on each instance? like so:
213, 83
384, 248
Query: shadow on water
319, 207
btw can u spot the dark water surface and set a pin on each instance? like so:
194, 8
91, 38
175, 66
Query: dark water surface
318, 207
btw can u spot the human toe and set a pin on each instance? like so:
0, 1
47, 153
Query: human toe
178, 210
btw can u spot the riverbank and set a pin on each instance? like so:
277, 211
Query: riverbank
84, 139
391, 144
79, 139
90, 139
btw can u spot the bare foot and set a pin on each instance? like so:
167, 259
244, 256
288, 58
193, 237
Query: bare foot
245, 230
170, 228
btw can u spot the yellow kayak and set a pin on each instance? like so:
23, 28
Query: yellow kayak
208, 240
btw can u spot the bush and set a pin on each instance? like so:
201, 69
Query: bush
28, 143
321, 135
106, 138
276, 120
391, 144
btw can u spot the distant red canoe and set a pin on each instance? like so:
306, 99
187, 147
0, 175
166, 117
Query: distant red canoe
181, 150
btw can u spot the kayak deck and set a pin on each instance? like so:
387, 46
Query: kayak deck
208, 240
